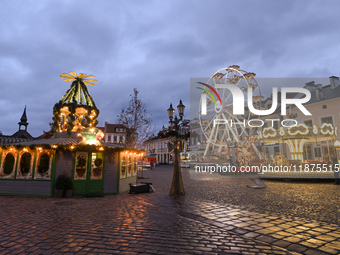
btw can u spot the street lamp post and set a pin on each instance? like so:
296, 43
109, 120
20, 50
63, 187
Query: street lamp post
177, 187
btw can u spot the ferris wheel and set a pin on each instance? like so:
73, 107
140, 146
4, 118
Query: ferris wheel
221, 128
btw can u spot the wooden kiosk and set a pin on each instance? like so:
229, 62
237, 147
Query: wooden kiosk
30, 168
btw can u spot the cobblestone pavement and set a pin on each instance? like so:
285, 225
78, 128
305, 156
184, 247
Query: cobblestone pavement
210, 219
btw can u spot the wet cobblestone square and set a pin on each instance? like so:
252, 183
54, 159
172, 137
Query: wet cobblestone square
217, 216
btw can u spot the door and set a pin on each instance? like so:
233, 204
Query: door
88, 173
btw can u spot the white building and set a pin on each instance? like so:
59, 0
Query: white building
115, 133
158, 147
162, 148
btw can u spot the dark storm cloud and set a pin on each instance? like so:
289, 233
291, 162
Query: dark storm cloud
155, 46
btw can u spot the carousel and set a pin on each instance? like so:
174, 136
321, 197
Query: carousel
294, 162
75, 149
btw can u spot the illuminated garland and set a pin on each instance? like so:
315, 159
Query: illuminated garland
90, 121
68, 147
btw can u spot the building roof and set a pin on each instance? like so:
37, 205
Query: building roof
46, 135
112, 145
22, 134
111, 128
327, 93
53, 141
4, 140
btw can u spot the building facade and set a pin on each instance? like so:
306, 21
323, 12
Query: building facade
162, 148
115, 133
159, 148
324, 107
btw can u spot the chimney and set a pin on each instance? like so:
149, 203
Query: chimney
318, 92
334, 81
310, 86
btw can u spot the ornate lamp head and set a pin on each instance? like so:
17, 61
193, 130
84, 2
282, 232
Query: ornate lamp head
180, 108
171, 112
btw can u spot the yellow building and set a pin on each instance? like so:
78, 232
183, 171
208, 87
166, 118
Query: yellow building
324, 106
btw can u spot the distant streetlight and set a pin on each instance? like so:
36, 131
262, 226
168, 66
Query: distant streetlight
177, 187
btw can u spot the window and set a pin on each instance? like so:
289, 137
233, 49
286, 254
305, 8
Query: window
115, 138
109, 138
123, 166
276, 125
317, 152
129, 166
96, 166
328, 151
8, 165
308, 155
324, 106
81, 165
308, 123
25, 166
135, 165
327, 120
43, 166
269, 106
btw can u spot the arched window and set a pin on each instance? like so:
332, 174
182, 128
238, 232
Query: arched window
43, 165
8, 164
25, 165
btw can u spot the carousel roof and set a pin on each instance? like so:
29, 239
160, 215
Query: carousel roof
299, 131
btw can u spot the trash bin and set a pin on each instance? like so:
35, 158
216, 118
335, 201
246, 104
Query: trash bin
141, 188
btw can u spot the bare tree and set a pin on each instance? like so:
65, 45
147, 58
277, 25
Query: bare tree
137, 120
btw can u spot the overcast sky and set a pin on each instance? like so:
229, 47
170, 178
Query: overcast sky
155, 46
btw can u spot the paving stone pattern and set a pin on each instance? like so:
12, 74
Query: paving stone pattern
155, 223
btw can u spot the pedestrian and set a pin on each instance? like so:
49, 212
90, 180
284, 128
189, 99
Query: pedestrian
335, 167
151, 164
